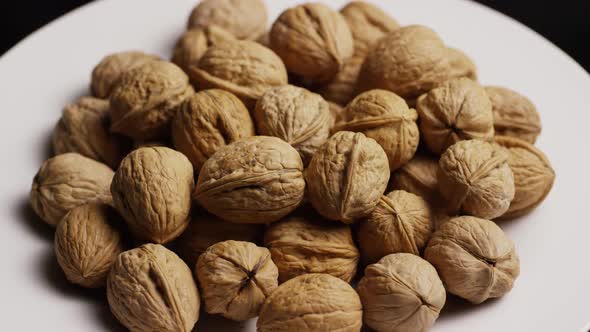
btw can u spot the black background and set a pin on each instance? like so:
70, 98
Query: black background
566, 22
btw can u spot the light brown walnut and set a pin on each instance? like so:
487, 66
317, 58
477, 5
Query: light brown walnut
336, 115
342, 88
514, 114
191, 46
419, 176
461, 64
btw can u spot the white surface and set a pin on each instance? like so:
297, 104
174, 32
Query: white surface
52, 67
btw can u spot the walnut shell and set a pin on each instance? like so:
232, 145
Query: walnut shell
109, 70
146, 98
87, 243
342, 88
236, 278
336, 114
419, 176
245, 19
67, 181
191, 46
347, 176
207, 121
386, 118
295, 115
304, 243
533, 175
514, 114
336, 306
461, 64
151, 289
152, 191
402, 292
257, 179
313, 40
474, 258
244, 68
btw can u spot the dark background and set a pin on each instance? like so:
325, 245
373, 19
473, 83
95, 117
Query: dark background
566, 22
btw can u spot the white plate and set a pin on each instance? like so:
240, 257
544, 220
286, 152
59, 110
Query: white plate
52, 67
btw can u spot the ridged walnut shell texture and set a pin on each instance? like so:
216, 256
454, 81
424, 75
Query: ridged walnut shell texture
347, 176
304, 242
336, 306
461, 64
456, 110
533, 175
474, 258
152, 191
151, 289
236, 278
207, 121
87, 242
386, 118
401, 222
313, 40
255, 180
191, 46
474, 178
146, 98
419, 176
514, 114
342, 88
67, 181
245, 19
295, 115
402, 292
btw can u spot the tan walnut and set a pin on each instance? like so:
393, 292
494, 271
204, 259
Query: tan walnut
151, 289
514, 114
87, 242
456, 110
152, 191
191, 46
342, 88
66, 181
336, 115
146, 98
461, 64
235, 278
419, 176
474, 258
336, 306
347, 176
304, 242
207, 121
295, 115
402, 292
254, 180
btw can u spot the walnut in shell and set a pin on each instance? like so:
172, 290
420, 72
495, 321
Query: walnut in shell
402, 292
254, 180
514, 114
461, 64
152, 191
151, 289
194, 42
347, 176
295, 115
336, 114
418, 176
474, 258
336, 306
207, 121
235, 278
67, 181
342, 88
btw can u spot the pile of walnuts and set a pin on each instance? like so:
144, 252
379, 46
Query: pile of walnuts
334, 171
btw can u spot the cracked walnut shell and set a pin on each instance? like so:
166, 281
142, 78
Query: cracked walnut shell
474, 258
419, 176
514, 114
235, 279
191, 46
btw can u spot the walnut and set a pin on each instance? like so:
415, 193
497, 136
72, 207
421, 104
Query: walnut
304, 243
150, 289
456, 110
533, 175
207, 121
336, 114
313, 40
244, 68
401, 222
245, 19
83, 128
87, 243
402, 292
257, 179
194, 42
67, 181
342, 88
347, 176
107, 73
386, 118
461, 64
474, 258
235, 278
418, 176
152, 191
336, 306
297, 116
514, 114
146, 98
